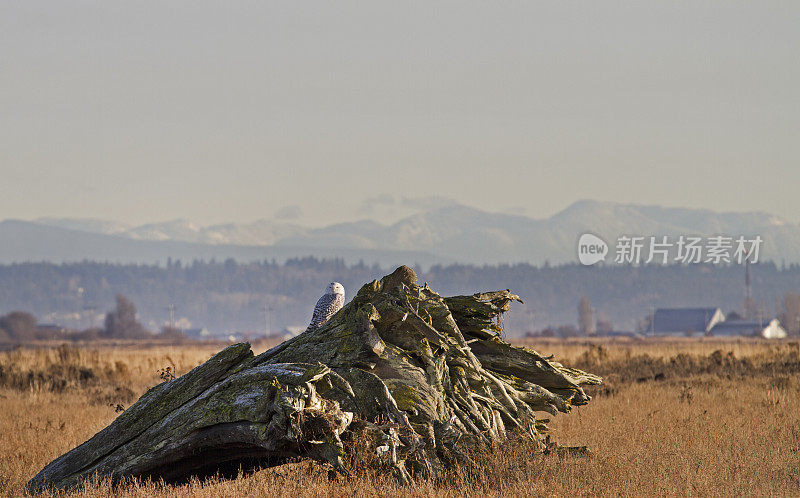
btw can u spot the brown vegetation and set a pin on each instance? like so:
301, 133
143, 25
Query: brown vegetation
724, 418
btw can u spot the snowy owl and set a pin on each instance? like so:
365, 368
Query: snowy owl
331, 302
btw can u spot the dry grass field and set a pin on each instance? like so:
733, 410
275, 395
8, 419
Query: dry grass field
680, 417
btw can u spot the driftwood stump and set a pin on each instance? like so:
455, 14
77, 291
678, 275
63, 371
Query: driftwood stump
423, 375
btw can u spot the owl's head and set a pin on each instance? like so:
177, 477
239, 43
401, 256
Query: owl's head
335, 288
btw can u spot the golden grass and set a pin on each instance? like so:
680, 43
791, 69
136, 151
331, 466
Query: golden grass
716, 432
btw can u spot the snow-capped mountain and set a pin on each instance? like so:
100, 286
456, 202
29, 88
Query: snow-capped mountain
448, 233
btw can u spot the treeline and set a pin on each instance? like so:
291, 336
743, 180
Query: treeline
221, 296
226, 296
120, 323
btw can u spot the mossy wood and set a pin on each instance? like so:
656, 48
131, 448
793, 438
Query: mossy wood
423, 376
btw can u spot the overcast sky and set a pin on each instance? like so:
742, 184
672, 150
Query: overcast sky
233, 111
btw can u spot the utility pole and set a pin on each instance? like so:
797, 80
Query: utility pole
172, 316
652, 321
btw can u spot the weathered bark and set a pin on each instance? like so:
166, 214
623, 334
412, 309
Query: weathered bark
422, 374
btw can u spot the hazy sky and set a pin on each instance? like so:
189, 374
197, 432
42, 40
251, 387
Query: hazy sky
232, 111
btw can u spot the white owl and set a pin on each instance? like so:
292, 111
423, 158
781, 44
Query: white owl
331, 302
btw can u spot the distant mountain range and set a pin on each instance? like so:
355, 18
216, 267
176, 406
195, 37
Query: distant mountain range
448, 234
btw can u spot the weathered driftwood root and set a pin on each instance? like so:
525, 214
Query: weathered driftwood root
423, 376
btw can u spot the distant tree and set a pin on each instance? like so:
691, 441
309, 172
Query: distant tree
19, 326
604, 325
547, 332
171, 333
585, 322
567, 331
749, 308
91, 334
645, 325
122, 323
791, 312
732, 315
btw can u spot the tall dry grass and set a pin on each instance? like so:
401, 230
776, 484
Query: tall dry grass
715, 424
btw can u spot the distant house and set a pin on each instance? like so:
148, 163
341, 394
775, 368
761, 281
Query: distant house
683, 321
768, 330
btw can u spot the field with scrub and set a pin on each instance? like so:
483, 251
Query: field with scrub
679, 417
